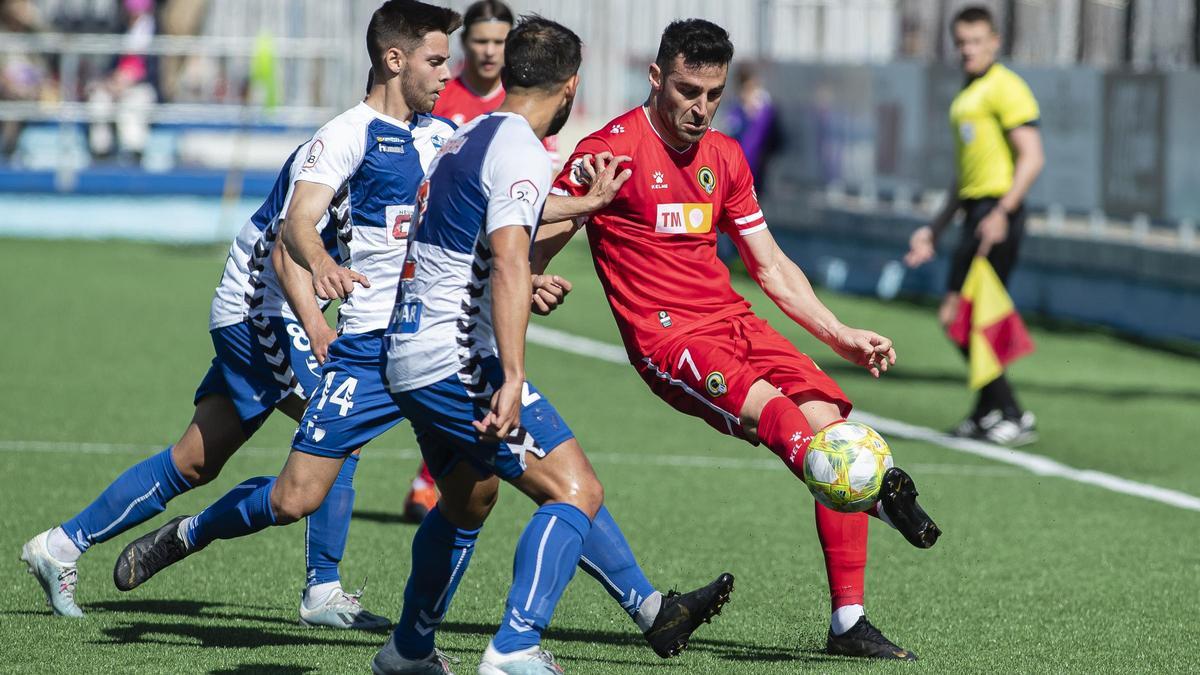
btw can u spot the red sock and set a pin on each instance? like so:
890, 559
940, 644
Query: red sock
785, 430
844, 541
424, 474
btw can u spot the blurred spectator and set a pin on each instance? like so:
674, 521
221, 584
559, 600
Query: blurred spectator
752, 121
23, 77
185, 78
123, 98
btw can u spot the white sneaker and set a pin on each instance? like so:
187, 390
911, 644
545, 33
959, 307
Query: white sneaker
389, 662
341, 610
532, 661
1014, 432
57, 578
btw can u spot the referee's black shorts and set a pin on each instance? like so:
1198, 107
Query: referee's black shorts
1003, 255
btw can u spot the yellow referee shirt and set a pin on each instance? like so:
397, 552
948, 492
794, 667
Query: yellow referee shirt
983, 112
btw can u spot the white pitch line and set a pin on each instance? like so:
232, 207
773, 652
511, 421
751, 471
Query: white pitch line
1037, 464
684, 461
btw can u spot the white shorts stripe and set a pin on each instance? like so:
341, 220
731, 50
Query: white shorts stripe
731, 421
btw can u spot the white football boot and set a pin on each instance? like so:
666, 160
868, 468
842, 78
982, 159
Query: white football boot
532, 661
57, 578
341, 610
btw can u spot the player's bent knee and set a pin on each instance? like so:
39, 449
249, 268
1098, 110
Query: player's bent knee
587, 495
290, 506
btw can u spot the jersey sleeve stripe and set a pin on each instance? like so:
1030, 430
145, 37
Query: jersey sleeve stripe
757, 215
751, 230
559, 191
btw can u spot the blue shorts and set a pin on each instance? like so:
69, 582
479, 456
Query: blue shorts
441, 415
350, 406
254, 367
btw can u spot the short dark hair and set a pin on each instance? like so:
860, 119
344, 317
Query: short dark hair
699, 42
486, 10
403, 24
974, 14
540, 54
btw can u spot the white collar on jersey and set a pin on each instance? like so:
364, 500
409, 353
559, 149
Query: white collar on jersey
416, 119
664, 141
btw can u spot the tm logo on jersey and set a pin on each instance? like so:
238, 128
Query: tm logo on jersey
683, 219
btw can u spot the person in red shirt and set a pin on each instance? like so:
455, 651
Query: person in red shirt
693, 339
477, 90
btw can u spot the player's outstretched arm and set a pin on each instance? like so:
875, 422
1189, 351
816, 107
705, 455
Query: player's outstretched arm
563, 215
788, 287
297, 288
512, 288
299, 232
603, 175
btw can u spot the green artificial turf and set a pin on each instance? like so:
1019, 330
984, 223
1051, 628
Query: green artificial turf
104, 344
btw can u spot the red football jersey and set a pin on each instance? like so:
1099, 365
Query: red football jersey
460, 104
655, 245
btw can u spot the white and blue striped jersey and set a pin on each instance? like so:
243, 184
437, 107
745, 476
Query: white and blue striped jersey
378, 161
492, 173
248, 286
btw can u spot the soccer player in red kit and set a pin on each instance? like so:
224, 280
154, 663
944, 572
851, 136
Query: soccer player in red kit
692, 338
477, 89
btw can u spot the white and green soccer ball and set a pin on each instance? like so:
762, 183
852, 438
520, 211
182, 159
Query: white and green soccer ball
844, 466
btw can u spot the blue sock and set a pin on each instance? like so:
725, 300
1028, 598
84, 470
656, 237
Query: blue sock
136, 496
440, 555
547, 554
327, 528
607, 557
244, 510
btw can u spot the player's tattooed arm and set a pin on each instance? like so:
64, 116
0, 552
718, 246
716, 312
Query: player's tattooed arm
297, 288
308, 205
788, 287
512, 287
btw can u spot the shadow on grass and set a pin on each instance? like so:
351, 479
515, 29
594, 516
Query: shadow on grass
189, 608
264, 669
382, 517
728, 650
231, 637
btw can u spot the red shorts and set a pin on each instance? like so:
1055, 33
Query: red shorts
708, 371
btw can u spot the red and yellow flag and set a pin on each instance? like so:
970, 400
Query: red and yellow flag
988, 324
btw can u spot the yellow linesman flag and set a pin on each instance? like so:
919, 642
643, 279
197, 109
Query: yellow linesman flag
988, 324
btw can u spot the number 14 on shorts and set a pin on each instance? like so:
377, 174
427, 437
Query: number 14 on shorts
342, 395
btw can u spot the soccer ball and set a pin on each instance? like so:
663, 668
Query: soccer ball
844, 466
